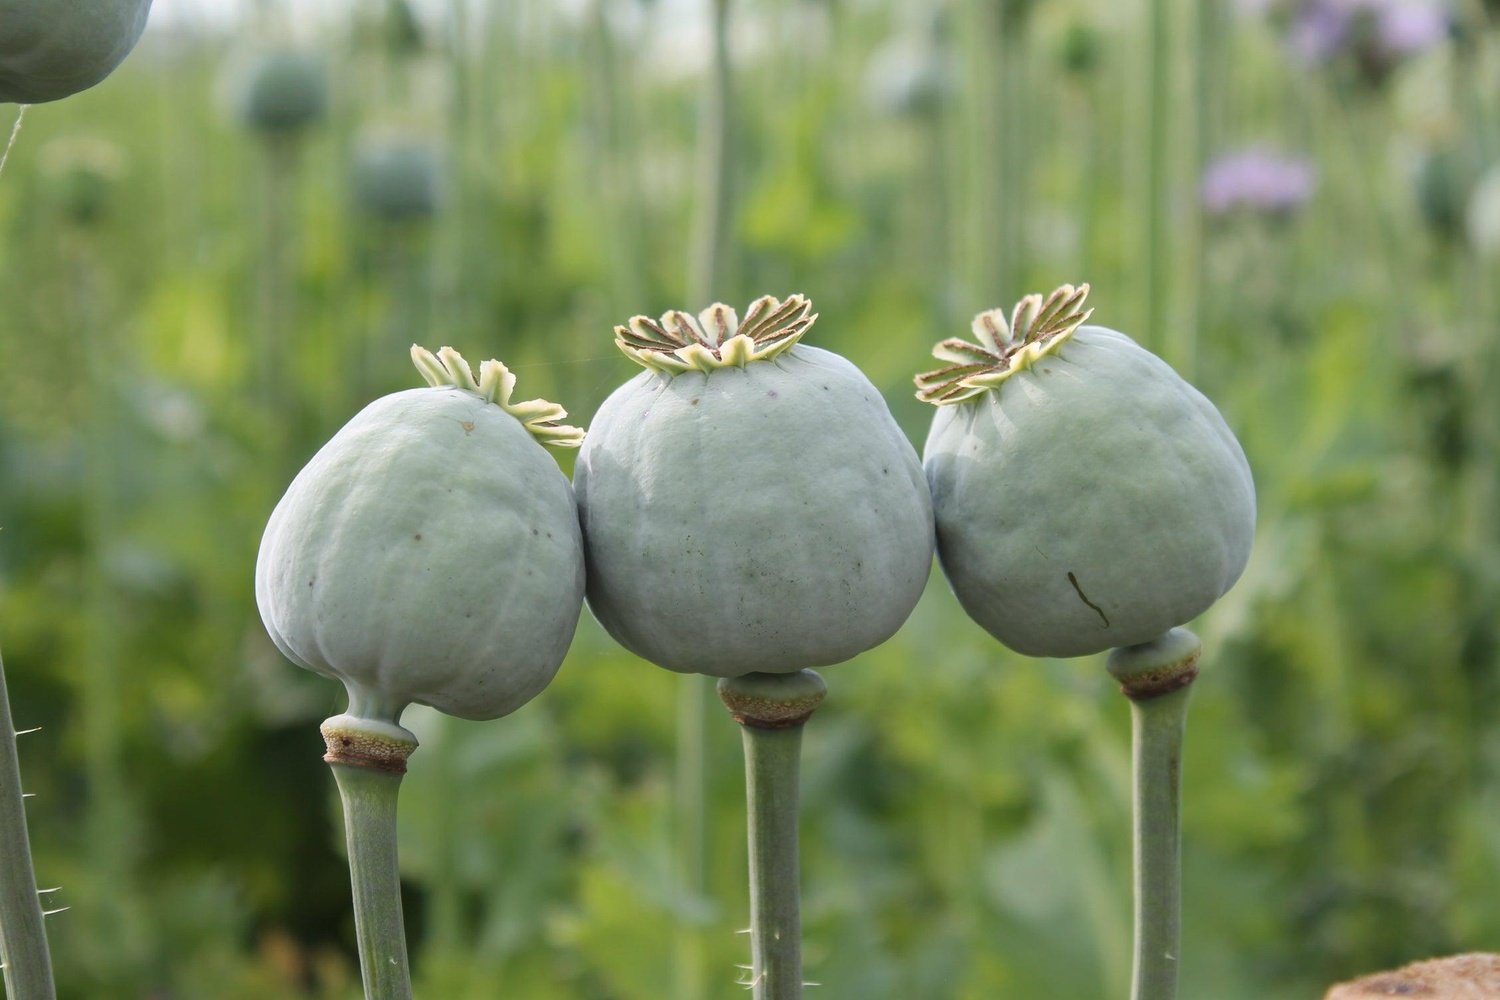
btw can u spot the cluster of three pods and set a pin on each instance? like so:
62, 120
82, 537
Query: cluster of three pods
747, 504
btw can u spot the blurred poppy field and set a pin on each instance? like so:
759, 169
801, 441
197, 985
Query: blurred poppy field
209, 262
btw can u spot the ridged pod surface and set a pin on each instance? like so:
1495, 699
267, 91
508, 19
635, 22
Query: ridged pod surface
430, 551
748, 502
1086, 496
50, 49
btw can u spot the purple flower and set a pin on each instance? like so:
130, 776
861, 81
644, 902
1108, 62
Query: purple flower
1375, 34
1258, 181
1407, 28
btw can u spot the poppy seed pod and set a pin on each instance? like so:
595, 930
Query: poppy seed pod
284, 92
748, 502
397, 180
430, 550
1086, 496
50, 49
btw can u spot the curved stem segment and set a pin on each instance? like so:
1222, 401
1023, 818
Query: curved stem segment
771, 709
368, 759
1155, 676
23, 940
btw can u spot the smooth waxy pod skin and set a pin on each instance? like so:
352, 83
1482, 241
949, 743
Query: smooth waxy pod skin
50, 49
1086, 496
430, 551
748, 502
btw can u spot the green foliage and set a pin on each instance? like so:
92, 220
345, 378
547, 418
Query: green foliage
966, 811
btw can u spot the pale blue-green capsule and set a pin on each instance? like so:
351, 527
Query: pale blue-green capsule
50, 49
1086, 496
430, 551
748, 502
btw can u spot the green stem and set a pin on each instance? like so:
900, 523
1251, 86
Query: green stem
710, 247
705, 269
110, 826
692, 825
1157, 152
368, 760
1156, 677
771, 710
23, 939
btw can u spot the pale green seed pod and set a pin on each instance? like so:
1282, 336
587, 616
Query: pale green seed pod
284, 92
50, 49
430, 551
1086, 496
748, 502
398, 180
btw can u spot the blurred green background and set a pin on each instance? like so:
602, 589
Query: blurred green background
1293, 202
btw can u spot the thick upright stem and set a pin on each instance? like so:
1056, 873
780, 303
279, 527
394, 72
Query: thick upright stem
23, 939
368, 761
771, 709
1155, 676
771, 793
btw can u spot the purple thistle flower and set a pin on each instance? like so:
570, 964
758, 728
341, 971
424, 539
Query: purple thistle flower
1376, 34
1258, 181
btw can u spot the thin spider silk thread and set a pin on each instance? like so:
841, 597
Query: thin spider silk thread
15, 130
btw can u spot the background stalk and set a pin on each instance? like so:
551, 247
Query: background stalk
23, 939
771, 710
1156, 676
1159, 135
368, 760
705, 267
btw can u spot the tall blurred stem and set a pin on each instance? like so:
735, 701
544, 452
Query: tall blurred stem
705, 270
1158, 134
108, 829
23, 939
276, 314
616, 193
706, 265
1208, 71
1013, 151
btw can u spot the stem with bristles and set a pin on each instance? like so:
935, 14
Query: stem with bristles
771, 710
23, 939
